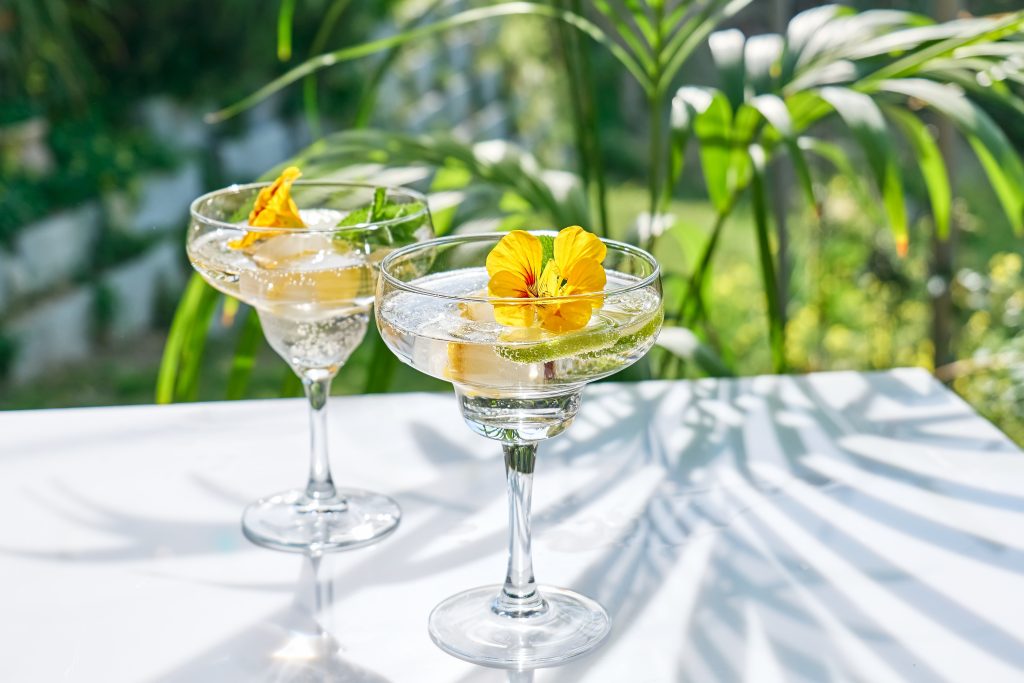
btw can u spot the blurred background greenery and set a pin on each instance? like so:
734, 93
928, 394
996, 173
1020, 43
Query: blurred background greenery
102, 145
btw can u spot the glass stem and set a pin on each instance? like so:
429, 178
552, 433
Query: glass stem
318, 388
519, 596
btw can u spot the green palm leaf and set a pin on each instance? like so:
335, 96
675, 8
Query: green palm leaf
464, 18
997, 156
178, 377
496, 163
864, 118
930, 162
705, 113
244, 360
774, 111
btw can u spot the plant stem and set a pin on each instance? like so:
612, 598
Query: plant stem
776, 320
590, 119
654, 162
693, 289
655, 99
566, 49
943, 251
309, 91
456, 20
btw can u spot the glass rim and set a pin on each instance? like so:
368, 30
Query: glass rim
485, 236
197, 215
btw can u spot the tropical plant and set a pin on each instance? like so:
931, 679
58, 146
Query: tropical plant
876, 79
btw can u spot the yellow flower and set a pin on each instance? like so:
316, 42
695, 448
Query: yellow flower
274, 208
518, 271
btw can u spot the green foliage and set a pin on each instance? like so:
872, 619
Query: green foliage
8, 354
244, 359
855, 304
458, 164
875, 79
91, 157
383, 210
835, 62
115, 246
104, 309
991, 375
178, 379
42, 59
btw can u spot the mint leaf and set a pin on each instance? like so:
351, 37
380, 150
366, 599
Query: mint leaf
377, 208
240, 214
398, 233
547, 246
384, 212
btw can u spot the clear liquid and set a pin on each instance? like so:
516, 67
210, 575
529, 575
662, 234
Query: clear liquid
313, 295
463, 344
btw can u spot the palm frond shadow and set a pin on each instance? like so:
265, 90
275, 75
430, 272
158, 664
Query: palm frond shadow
745, 521
759, 579
770, 583
141, 537
467, 485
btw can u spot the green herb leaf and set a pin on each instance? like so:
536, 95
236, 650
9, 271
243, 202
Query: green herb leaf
385, 211
396, 234
377, 208
547, 245
241, 214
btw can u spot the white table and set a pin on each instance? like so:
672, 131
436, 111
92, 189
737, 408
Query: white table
847, 527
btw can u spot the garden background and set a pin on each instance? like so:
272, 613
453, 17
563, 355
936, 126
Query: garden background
104, 142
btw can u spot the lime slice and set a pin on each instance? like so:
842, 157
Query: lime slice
631, 340
584, 344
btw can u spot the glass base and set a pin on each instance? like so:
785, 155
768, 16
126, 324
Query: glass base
295, 522
466, 626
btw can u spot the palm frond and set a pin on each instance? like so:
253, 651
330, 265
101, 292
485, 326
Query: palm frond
496, 163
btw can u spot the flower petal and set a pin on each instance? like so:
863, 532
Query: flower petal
550, 283
518, 252
574, 243
516, 315
566, 316
575, 269
506, 284
274, 208
586, 277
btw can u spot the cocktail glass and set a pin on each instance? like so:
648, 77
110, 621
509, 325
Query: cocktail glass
313, 288
517, 386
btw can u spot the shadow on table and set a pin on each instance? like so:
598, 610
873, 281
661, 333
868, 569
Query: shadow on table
295, 644
783, 546
781, 533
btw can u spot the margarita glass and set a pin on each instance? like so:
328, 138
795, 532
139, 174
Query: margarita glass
313, 288
518, 386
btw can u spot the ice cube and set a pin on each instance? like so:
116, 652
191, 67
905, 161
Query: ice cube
291, 250
307, 271
321, 219
472, 364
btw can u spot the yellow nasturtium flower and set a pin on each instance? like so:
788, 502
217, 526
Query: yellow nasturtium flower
274, 208
517, 270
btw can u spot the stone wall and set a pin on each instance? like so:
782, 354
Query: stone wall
57, 304
51, 304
